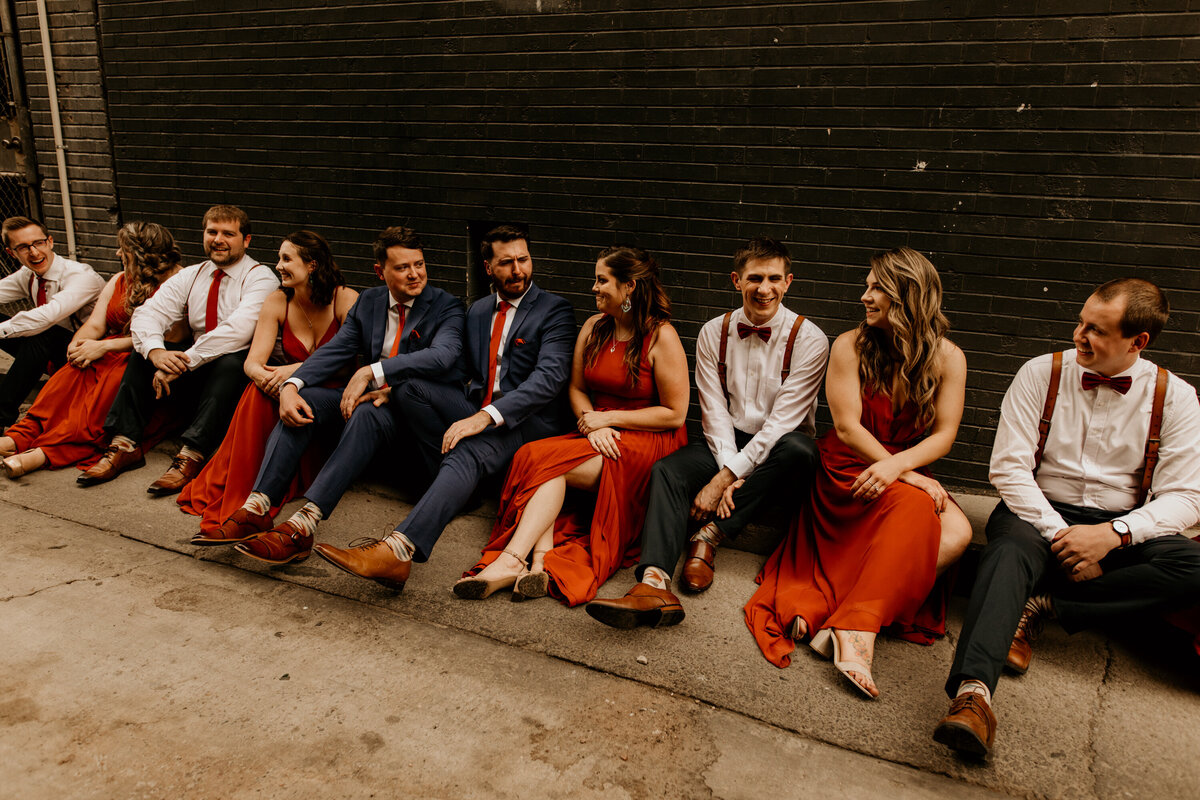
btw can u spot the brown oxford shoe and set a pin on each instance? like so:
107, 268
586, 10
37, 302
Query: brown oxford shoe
969, 727
111, 464
241, 526
368, 558
641, 605
1020, 652
182, 470
698, 566
283, 544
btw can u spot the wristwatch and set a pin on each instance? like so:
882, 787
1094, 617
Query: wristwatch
1122, 530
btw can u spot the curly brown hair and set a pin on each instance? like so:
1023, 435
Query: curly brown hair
153, 255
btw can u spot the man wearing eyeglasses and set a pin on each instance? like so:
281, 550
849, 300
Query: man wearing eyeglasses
62, 292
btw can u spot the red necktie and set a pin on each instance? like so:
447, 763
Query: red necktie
399, 331
41, 292
214, 293
1120, 385
494, 350
745, 330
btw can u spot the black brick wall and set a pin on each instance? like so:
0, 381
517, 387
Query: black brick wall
79, 81
1032, 149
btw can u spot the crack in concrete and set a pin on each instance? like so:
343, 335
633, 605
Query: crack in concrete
60, 584
1094, 721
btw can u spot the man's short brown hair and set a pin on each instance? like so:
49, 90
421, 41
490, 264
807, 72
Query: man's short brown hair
1146, 306
228, 214
17, 223
395, 236
762, 248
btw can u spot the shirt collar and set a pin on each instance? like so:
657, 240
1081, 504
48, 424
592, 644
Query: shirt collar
772, 323
393, 302
55, 271
513, 303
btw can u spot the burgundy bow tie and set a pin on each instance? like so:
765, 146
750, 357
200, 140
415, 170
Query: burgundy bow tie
1091, 380
745, 330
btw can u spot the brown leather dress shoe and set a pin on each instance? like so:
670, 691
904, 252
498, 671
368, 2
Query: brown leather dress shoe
969, 727
698, 567
283, 544
641, 605
182, 470
111, 464
369, 558
1020, 652
241, 526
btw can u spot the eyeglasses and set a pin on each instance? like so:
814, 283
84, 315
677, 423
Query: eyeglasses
23, 249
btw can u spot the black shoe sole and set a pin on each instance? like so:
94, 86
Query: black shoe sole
961, 739
628, 619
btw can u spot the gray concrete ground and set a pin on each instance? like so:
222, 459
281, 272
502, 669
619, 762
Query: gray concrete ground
137, 666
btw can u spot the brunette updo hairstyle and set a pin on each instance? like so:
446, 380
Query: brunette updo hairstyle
324, 277
650, 306
153, 255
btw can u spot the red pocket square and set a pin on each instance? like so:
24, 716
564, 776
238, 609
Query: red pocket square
415, 334
520, 341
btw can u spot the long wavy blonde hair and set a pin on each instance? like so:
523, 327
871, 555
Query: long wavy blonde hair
918, 328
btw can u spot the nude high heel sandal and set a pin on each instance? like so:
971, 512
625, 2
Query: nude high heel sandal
477, 588
24, 463
827, 645
532, 584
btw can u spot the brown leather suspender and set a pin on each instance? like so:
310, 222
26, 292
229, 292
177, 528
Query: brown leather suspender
1048, 410
1152, 436
787, 353
1149, 461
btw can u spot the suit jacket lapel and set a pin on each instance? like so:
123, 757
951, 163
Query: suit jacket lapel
520, 315
482, 322
420, 308
379, 324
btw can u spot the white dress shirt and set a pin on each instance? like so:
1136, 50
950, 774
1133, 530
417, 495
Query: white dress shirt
495, 299
71, 292
1094, 453
389, 336
240, 297
758, 404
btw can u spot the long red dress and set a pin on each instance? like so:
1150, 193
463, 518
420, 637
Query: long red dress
67, 419
228, 478
586, 555
852, 565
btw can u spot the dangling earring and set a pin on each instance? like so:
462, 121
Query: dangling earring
627, 305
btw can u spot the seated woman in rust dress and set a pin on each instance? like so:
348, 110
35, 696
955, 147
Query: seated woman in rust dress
866, 552
304, 313
65, 425
629, 391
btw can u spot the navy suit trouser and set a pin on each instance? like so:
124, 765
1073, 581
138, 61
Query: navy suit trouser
1156, 575
430, 408
368, 429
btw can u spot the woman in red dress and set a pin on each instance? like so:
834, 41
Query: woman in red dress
295, 320
629, 391
864, 554
65, 425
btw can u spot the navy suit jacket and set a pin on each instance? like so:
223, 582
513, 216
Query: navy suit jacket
536, 363
430, 343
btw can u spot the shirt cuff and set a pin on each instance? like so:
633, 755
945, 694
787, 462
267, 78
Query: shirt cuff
1048, 527
297, 382
739, 465
494, 414
377, 371
151, 344
4, 330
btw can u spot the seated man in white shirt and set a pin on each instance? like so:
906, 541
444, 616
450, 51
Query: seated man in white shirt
758, 369
1073, 521
62, 292
219, 300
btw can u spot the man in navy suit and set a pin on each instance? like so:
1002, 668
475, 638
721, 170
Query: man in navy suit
513, 371
400, 331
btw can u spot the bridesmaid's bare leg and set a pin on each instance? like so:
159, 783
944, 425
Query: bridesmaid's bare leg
956, 537
540, 512
858, 646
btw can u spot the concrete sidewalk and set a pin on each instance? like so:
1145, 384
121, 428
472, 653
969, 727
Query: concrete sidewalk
132, 671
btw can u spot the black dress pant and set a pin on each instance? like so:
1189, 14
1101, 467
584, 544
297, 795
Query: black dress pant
676, 479
32, 355
1156, 575
209, 394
